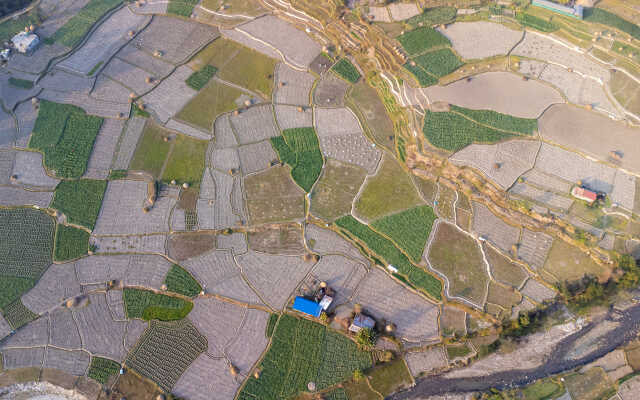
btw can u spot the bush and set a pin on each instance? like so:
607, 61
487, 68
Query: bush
199, 79
421, 40
180, 281
148, 305
299, 147
366, 338
71, 243
600, 16
21, 83
345, 69
80, 200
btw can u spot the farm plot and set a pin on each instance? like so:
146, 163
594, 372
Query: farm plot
178, 280
23, 358
458, 257
427, 361
223, 132
345, 69
237, 242
80, 200
104, 149
540, 196
214, 207
333, 195
365, 102
225, 280
153, 306
8, 129
272, 196
390, 182
503, 163
225, 159
127, 146
626, 91
213, 100
34, 333
101, 335
166, 350
5, 328
105, 41
591, 384
432, 65
421, 40
524, 99
186, 162
274, 276
186, 245
282, 239
568, 263
74, 30
7, 158
147, 271
63, 329
123, 201
310, 353
108, 90
340, 273
92, 106
251, 341
292, 86
539, 47
17, 315
140, 244
353, 149
492, 39
586, 134
27, 168
15, 89
26, 116
503, 297
70, 243
176, 39
291, 117
37, 62
101, 369
204, 376
402, 11
299, 148
15, 197
324, 241
494, 229
254, 124
453, 321
292, 43
537, 291
65, 135
408, 230
503, 269
138, 56
130, 76
102, 269
56, 285
550, 183
330, 91
534, 247
256, 157
171, 95
382, 297
379, 14
417, 277
72, 362
219, 321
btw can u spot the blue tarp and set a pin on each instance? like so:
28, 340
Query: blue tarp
307, 307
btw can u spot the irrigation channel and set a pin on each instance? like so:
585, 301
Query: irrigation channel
628, 330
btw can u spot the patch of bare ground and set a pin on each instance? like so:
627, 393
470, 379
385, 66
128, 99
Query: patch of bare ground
183, 246
279, 239
453, 321
503, 269
272, 196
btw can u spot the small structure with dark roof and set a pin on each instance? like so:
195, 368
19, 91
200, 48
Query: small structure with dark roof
362, 321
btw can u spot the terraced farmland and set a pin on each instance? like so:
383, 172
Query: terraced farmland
299, 148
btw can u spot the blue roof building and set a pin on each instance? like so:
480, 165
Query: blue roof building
308, 307
574, 12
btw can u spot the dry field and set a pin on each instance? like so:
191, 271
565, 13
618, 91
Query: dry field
282, 239
324, 241
171, 95
272, 196
204, 376
292, 87
453, 321
537, 291
340, 273
426, 361
493, 229
489, 39
566, 262
402, 11
330, 91
56, 285
333, 195
534, 248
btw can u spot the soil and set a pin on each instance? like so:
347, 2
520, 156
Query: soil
183, 246
283, 239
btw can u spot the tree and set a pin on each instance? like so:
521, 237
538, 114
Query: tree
365, 338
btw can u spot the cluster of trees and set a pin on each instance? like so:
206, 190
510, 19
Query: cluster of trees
9, 6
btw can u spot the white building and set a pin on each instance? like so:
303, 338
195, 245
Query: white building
25, 42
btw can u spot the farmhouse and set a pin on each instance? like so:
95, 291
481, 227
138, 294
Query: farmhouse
584, 194
361, 321
25, 42
574, 12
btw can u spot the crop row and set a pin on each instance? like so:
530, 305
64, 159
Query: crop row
347, 70
71, 33
12, 288
438, 62
383, 247
183, 8
299, 147
70, 243
424, 79
453, 132
500, 121
433, 16
423, 39
101, 369
600, 16
149, 305
536, 22
178, 280
80, 200
199, 79
18, 315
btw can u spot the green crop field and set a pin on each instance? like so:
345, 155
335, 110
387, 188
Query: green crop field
148, 305
536, 22
71, 33
600, 16
216, 98
433, 16
385, 248
420, 40
21, 83
183, 8
65, 135
345, 69
12, 287
199, 79
299, 148
152, 150
186, 161
424, 79
14, 25
178, 280
101, 369
453, 132
439, 62
71, 243
500, 121
18, 315
303, 351
80, 200
409, 229
271, 324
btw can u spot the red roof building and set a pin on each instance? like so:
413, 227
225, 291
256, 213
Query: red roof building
584, 194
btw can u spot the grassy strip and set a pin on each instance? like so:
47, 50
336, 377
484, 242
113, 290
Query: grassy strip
409, 230
65, 135
117, 174
21, 83
303, 351
183, 8
178, 280
12, 287
95, 68
271, 324
600, 16
148, 305
71, 243
453, 132
199, 79
385, 248
498, 120
80, 200
433, 16
347, 70
536, 22
299, 147
101, 369
18, 315
421, 40
71, 33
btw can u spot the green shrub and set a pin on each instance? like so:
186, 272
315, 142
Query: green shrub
148, 305
434, 16
347, 70
600, 16
178, 280
536, 22
299, 147
80, 200
21, 83
421, 40
199, 79
101, 369
71, 243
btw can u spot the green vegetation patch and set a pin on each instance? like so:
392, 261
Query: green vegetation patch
186, 161
438, 62
420, 40
451, 131
101, 369
543, 389
600, 16
409, 229
71, 33
299, 147
390, 377
21, 83
498, 120
424, 79
80, 200
183, 8
200, 78
18, 315
65, 135
151, 151
455, 351
333, 195
594, 384
118, 174
385, 248
179, 280
568, 263
303, 351
271, 324
71, 243
346, 70
434, 16
12, 26
12, 288
368, 106
148, 305
216, 98
536, 22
